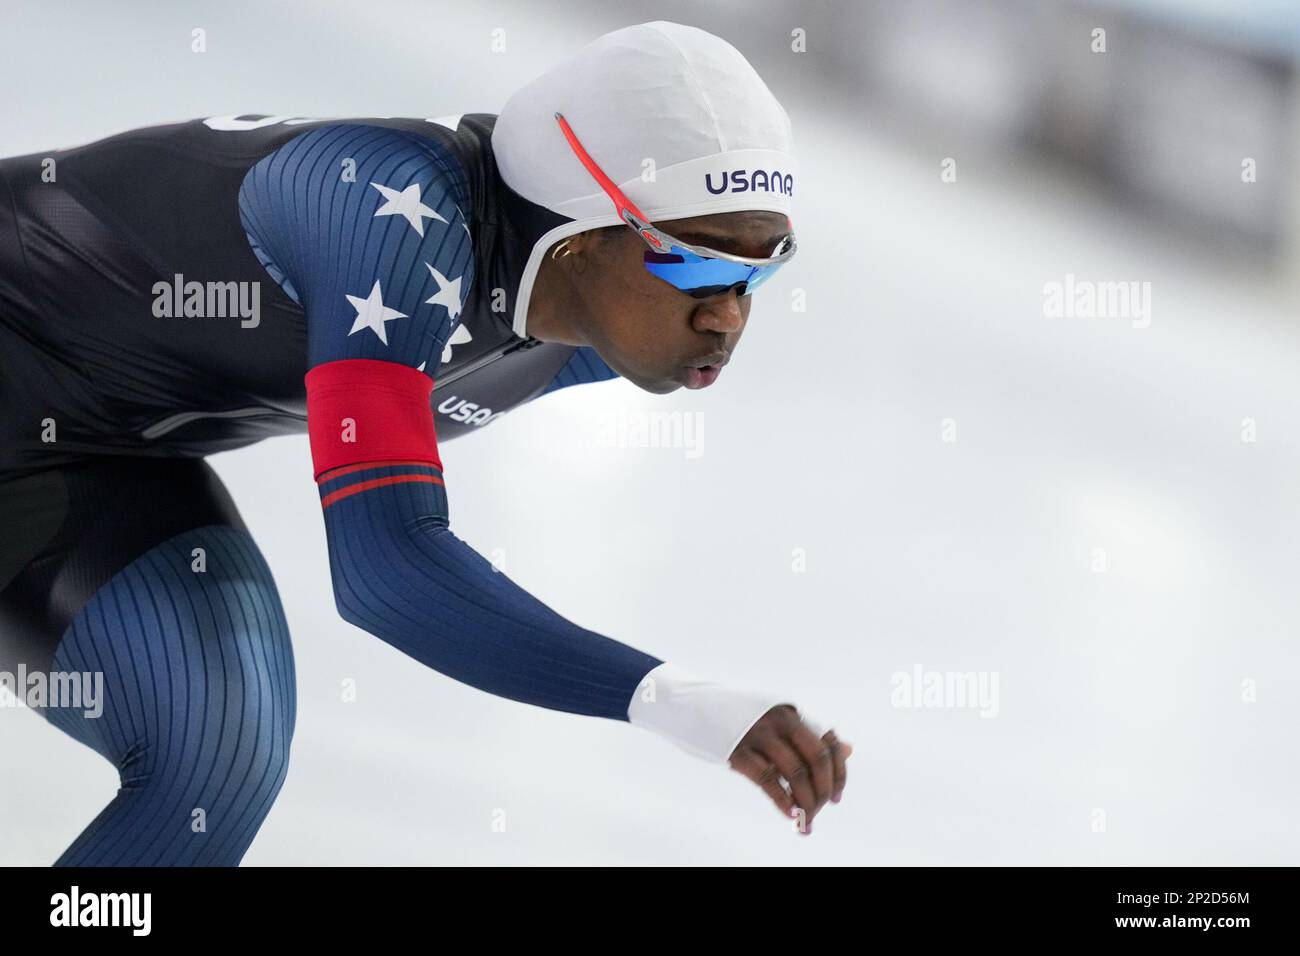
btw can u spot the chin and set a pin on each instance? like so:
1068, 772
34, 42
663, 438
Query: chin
661, 388
655, 386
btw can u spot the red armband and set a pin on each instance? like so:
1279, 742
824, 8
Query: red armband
366, 410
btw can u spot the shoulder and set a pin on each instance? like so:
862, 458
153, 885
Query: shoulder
345, 198
365, 227
352, 163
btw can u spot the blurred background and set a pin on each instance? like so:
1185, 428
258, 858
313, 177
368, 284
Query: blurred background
915, 463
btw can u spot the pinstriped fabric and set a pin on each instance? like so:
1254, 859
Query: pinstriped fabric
343, 482
305, 220
402, 574
199, 702
583, 368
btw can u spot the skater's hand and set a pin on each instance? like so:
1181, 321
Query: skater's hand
798, 771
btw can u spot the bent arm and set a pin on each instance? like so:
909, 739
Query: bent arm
402, 574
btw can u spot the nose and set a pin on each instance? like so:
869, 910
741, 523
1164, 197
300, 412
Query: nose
722, 313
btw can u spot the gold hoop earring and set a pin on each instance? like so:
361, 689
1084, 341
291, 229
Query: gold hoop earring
564, 245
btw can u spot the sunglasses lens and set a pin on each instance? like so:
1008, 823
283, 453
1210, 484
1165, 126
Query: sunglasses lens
709, 291
701, 277
761, 275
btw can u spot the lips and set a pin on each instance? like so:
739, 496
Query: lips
704, 371
694, 378
713, 359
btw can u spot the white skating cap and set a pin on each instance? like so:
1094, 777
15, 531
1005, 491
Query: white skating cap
661, 92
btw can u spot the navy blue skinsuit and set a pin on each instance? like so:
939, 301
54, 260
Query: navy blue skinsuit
388, 249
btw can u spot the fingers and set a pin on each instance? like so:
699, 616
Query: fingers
818, 758
778, 750
798, 767
839, 764
762, 771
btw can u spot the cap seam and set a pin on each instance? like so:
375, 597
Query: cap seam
697, 84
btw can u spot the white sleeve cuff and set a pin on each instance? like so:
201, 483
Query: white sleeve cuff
702, 717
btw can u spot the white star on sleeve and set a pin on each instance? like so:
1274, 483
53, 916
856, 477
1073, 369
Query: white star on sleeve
372, 313
448, 294
459, 337
407, 204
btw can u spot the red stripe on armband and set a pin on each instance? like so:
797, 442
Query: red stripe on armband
365, 410
361, 486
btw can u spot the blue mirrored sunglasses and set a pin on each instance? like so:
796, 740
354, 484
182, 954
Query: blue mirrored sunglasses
702, 276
